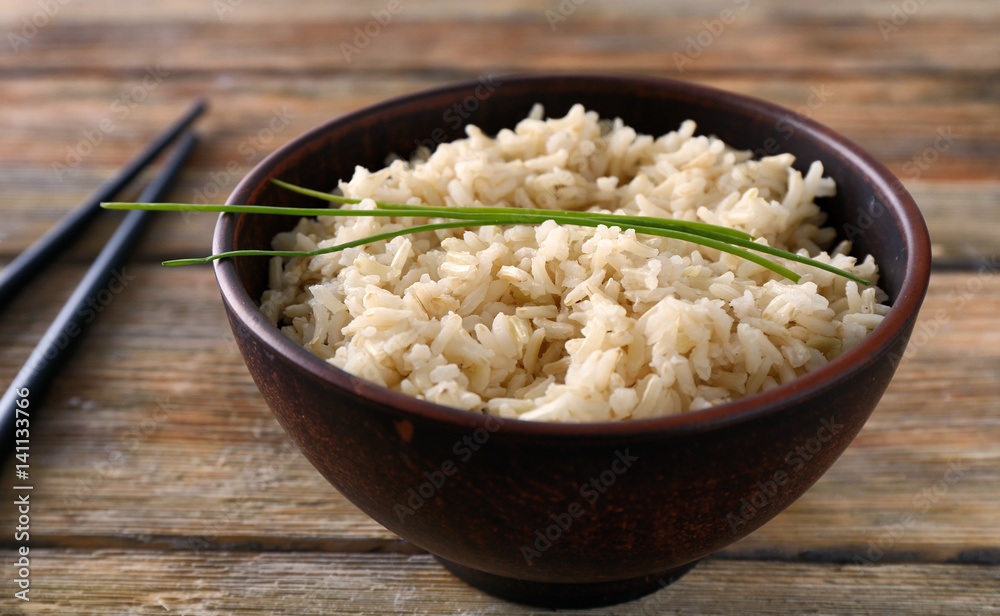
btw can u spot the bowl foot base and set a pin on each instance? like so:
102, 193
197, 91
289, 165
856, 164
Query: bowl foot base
556, 595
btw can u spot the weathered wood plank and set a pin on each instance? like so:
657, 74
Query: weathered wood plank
756, 40
963, 217
67, 582
83, 11
157, 402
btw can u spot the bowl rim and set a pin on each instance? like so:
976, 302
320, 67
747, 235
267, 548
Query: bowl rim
902, 312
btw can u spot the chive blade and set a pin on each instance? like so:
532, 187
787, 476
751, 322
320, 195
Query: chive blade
320, 251
721, 238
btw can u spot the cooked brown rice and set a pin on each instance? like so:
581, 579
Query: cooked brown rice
570, 324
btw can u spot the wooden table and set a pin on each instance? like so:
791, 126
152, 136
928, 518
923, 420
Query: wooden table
162, 485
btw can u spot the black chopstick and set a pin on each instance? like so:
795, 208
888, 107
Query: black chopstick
30, 262
30, 384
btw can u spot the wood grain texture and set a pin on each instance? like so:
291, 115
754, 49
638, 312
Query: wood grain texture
164, 486
83, 11
756, 40
131, 582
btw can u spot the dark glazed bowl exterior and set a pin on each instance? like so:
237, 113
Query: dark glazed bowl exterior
572, 514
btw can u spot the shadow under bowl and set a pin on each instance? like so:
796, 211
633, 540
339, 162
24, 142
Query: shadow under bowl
572, 515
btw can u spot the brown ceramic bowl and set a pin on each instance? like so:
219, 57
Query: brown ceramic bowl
604, 512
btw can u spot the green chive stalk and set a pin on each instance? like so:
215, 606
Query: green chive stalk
724, 239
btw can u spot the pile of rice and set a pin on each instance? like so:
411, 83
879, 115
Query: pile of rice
573, 324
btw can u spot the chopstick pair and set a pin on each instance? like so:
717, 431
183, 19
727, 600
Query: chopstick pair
33, 379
